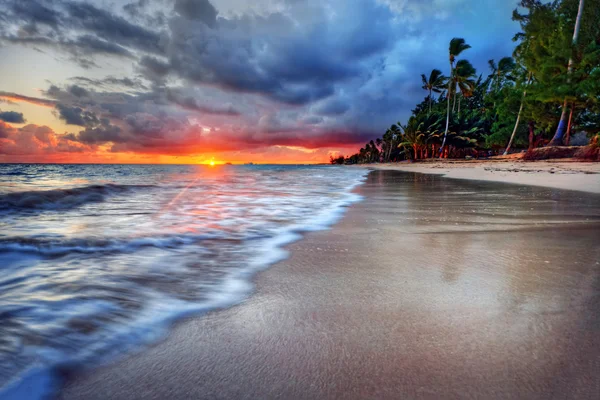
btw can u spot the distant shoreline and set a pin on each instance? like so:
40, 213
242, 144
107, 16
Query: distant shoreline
559, 174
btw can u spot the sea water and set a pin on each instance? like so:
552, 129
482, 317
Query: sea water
96, 260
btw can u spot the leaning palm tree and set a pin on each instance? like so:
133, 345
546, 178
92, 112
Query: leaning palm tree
457, 46
501, 72
557, 140
435, 83
463, 78
512, 136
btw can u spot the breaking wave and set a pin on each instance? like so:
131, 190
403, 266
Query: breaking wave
60, 199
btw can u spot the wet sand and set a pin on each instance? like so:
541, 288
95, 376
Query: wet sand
559, 174
429, 288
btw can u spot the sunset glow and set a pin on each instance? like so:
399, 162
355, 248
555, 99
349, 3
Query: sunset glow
299, 199
277, 81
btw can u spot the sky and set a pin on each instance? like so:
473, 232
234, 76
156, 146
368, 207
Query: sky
190, 81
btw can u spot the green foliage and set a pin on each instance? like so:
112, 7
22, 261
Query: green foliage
457, 46
529, 87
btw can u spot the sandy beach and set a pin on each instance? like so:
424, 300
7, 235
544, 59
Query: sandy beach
429, 288
559, 174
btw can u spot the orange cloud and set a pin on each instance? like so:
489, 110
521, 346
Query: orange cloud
27, 99
34, 140
39, 144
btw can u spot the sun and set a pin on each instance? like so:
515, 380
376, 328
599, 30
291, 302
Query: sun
212, 163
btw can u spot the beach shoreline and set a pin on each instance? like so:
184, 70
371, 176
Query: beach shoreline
354, 314
564, 174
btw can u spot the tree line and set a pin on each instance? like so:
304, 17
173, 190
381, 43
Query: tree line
547, 89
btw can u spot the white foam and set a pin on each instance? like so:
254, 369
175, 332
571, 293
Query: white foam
153, 320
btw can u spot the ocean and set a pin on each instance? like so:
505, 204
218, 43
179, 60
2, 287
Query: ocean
99, 260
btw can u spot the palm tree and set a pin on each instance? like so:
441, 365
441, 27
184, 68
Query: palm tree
378, 142
557, 140
393, 134
512, 136
362, 152
463, 78
374, 150
435, 83
457, 46
500, 73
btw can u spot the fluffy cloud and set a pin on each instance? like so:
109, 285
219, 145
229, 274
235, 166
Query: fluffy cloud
36, 140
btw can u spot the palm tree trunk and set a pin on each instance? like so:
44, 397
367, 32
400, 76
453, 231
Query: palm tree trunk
512, 137
531, 136
568, 137
429, 103
557, 140
447, 112
454, 102
459, 107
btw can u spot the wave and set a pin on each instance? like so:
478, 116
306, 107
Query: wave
166, 286
55, 247
61, 199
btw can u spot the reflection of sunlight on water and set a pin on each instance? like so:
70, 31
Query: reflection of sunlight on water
92, 262
514, 274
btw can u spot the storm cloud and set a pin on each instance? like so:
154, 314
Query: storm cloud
205, 75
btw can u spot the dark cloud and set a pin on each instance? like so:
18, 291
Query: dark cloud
81, 49
313, 120
274, 73
78, 28
278, 61
89, 44
112, 27
78, 91
153, 68
201, 10
35, 12
136, 8
12, 117
127, 82
77, 116
101, 133
110, 81
190, 103
333, 107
